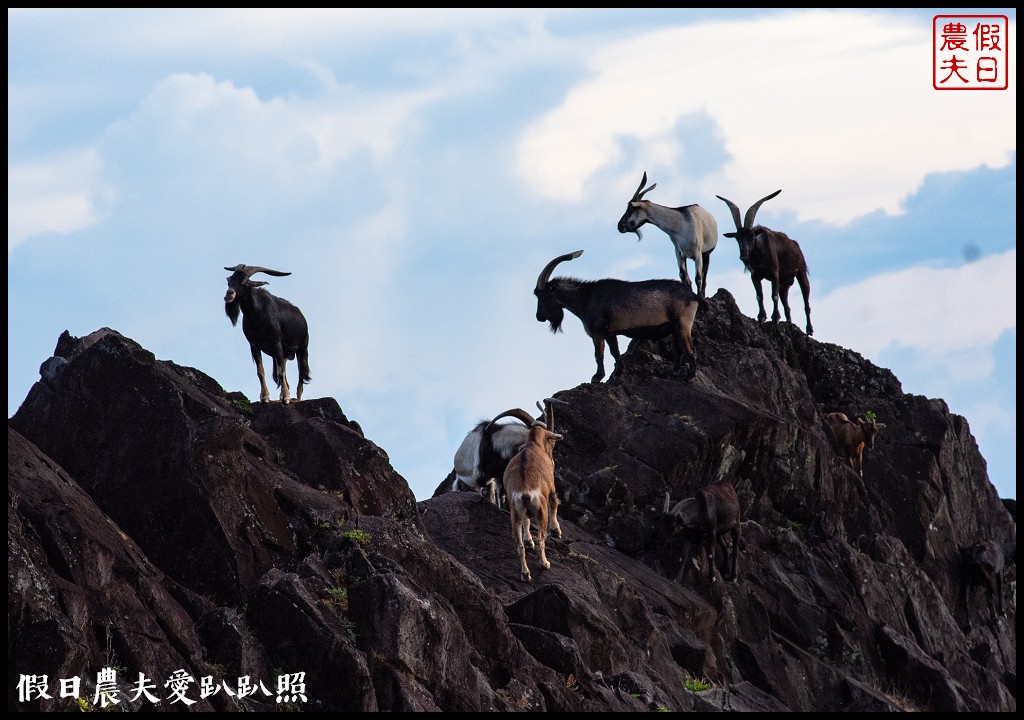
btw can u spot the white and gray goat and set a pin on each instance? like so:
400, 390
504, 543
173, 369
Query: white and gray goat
643, 310
529, 482
272, 325
692, 229
481, 459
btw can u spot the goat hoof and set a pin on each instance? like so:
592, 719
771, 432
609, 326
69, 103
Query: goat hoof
546, 565
526, 577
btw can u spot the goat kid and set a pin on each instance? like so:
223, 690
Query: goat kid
692, 230
772, 255
706, 519
272, 325
644, 310
854, 437
984, 565
529, 481
484, 454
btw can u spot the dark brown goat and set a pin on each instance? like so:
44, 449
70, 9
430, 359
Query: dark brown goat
770, 255
644, 310
705, 520
984, 564
854, 437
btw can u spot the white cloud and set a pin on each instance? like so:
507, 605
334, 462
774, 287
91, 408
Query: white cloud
59, 194
805, 101
953, 316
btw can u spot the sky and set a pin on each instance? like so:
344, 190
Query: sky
415, 169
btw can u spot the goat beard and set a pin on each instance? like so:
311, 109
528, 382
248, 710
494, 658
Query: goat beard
555, 318
233, 311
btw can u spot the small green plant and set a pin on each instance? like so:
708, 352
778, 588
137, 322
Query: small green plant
84, 705
870, 415
662, 708
243, 405
339, 598
357, 536
697, 684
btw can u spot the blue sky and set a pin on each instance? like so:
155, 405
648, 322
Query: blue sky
415, 169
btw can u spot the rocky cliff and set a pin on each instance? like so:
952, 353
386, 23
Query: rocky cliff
159, 525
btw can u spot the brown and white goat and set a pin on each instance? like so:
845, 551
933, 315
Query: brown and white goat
705, 520
530, 489
984, 564
854, 437
770, 255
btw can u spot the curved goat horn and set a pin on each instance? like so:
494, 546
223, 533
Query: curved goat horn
735, 211
640, 191
251, 270
748, 219
542, 279
549, 411
517, 413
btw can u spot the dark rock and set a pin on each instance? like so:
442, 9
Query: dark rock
158, 523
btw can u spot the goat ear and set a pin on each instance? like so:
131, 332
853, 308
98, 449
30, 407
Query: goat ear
879, 426
255, 283
729, 235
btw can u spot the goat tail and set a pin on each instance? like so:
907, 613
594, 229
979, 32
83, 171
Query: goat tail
304, 376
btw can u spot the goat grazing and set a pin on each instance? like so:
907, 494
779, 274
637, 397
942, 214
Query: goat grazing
482, 457
854, 437
984, 564
645, 310
772, 255
692, 229
529, 482
271, 324
705, 520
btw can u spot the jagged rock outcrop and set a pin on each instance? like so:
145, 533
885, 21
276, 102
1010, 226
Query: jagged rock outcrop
157, 523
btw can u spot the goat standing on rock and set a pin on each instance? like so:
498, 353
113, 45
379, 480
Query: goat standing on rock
692, 229
984, 565
705, 520
772, 255
530, 486
484, 454
854, 437
271, 324
644, 310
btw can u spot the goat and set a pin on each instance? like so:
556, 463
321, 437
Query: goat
272, 325
854, 437
529, 481
706, 519
772, 255
984, 564
692, 229
482, 457
646, 310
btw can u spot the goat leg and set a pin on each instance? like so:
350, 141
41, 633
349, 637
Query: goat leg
257, 357
599, 356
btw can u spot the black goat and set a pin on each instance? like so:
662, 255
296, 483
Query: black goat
705, 520
772, 255
271, 324
984, 564
644, 310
